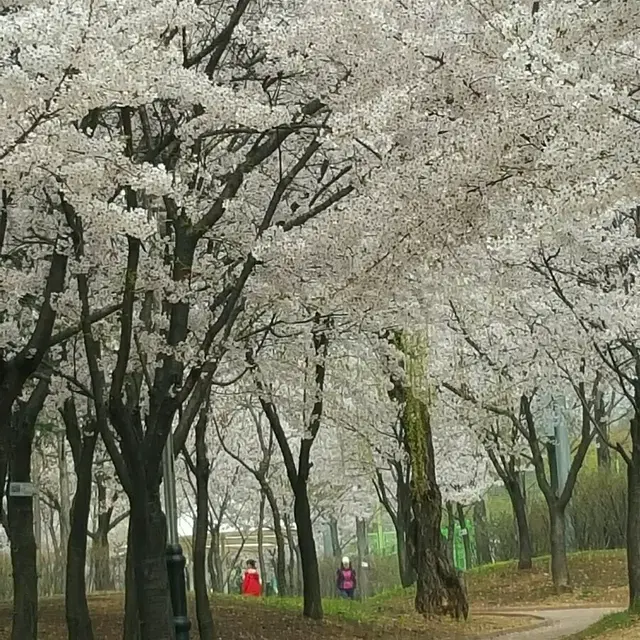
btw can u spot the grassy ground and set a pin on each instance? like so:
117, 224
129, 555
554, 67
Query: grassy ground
274, 619
598, 577
622, 626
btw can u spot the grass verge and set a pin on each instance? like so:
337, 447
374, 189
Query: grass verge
598, 578
617, 625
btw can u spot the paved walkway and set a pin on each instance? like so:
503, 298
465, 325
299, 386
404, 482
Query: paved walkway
558, 623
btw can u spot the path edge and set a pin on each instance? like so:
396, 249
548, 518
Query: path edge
540, 623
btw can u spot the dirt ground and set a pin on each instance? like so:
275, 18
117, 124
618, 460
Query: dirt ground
242, 620
599, 578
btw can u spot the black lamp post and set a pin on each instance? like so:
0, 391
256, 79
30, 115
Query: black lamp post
175, 558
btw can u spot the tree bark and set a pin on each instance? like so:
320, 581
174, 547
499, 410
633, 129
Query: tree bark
439, 590
311, 591
406, 544
525, 549
214, 561
281, 549
77, 608
202, 469
101, 557
295, 590
633, 519
559, 563
602, 437
150, 568
21, 434
401, 516
362, 543
483, 544
100, 551
261, 563
557, 497
603, 450
336, 550
131, 625
405, 563
298, 475
65, 506
23, 542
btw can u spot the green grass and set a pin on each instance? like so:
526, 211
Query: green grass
582, 557
610, 623
393, 610
369, 611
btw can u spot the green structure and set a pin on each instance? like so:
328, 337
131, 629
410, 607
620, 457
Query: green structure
383, 543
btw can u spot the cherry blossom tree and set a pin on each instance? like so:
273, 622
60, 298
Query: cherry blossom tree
184, 163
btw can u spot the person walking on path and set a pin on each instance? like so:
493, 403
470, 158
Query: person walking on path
251, 582
346, 579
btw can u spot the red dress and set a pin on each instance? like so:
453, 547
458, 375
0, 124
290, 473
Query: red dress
251, 583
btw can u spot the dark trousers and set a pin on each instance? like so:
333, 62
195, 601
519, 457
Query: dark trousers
347, 593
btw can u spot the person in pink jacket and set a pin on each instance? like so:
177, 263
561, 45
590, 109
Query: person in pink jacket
346, 579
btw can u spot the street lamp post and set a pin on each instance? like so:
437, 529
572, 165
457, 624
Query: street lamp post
175, 558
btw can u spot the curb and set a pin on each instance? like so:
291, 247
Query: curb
559, 607
540, 623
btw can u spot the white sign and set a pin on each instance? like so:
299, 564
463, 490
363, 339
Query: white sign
365, 565
464, 532
21, 489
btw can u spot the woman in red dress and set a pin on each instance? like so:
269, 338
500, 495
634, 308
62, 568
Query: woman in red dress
251, 582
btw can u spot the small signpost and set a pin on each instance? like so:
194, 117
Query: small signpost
21, 490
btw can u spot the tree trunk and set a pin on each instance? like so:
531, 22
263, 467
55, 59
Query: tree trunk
131, 620
602, 437
559, 564
405, 562
525, 550
292, 556
149, 555
214, 561
406, 550
483, 544
451, 533
336, 550
203, 606
101, 556
312, 595
100, 552
22, 539
362, 543
439, 590
37, 508
439, 586
20, 434
202, 471
77, 608
466, 540
604, 453
633, 518
261, 562
281, 549
213, 578
65, 506
298, 567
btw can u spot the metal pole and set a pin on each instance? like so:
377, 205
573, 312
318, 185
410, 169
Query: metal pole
175, 558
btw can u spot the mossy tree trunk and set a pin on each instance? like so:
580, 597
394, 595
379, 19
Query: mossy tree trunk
439, 589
